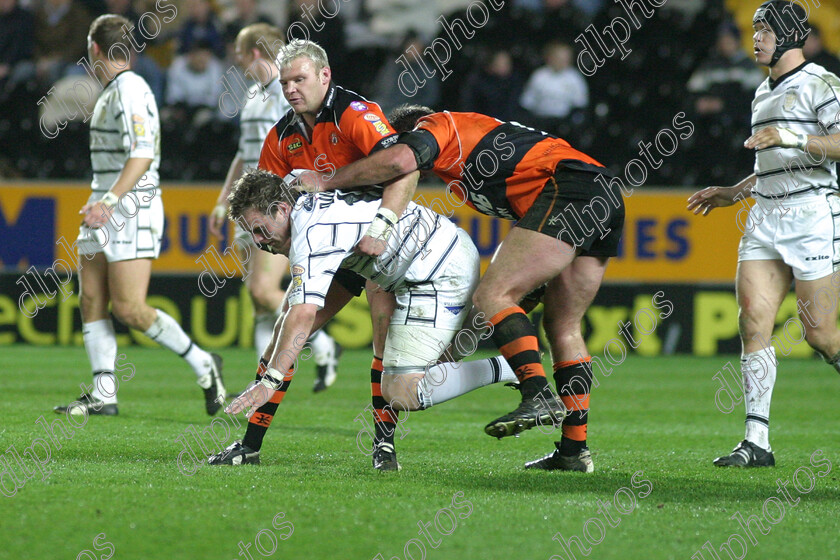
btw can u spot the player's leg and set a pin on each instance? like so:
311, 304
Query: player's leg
512, 275
128, 283
817, 301
566, 300
247, 450
761, 285
385, 418
264, 282
99, 338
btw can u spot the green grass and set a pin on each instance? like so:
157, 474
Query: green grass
118, 476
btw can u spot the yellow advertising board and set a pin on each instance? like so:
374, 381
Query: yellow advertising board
662, 242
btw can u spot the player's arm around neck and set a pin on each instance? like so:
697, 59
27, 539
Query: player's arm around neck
375, 169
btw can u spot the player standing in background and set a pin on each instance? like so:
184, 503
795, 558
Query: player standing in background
122, 227
264, 107
514, 172
328, 127
791, 231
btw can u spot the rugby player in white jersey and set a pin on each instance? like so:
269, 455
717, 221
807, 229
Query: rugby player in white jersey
265, 106
790, 233
430, 265
122, 227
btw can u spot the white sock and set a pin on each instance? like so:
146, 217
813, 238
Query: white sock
101, 346
444, 382
263, 331
758, 370
169, 334
323, 348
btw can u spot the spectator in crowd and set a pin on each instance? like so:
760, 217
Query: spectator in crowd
328, 32
17, 46
247, 13
201, 25
724, 80
60, 38
393, 87
555, 90
815, 52
194, 85
494, 88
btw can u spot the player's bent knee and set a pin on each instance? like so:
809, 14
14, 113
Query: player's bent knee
130, 314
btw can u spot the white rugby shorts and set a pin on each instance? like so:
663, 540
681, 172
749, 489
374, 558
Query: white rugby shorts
133, 232
804, 232
429, 315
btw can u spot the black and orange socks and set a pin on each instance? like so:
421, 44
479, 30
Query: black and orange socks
261, 419
384, 417
574, 382
516, 338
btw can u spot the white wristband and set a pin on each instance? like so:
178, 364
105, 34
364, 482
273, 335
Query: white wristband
219, 211
272, 379
109, 199
380, 227
791, 139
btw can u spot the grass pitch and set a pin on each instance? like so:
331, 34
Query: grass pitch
118, 476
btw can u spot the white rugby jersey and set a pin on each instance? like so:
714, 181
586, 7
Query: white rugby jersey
806, 99
264, 107
125, 124
327, 225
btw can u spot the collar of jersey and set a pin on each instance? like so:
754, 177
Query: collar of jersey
117, 75
783, 77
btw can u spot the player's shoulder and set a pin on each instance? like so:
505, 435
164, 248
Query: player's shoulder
131, 83
348, 104
287, 125
819, 78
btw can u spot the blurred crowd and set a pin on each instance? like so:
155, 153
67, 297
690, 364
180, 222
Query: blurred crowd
521, 64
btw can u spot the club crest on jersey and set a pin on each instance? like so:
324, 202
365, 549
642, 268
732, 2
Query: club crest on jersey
294, 145
790, 100
333, 138
358, 106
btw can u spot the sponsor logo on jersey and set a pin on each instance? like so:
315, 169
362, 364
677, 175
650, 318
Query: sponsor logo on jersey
381, 128
297, 270
817, 258
294, 145
358, 106
371, 117
790, 100
454, 309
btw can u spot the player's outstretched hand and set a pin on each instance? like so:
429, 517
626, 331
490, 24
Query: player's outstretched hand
370, 246
711, 197
254, 397
218, 217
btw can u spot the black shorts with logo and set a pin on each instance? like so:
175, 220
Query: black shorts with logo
580, 211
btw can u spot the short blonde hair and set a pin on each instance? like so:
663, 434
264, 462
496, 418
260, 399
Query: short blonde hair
300, 47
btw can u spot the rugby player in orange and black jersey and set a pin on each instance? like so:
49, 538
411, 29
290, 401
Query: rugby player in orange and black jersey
519, 173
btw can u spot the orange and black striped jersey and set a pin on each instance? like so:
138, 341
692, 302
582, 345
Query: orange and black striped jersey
498, 167
348, 128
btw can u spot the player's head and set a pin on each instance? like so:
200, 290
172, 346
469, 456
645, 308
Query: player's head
305, 75
256, 45
780, 26
106, 40
261, 203
404, 117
